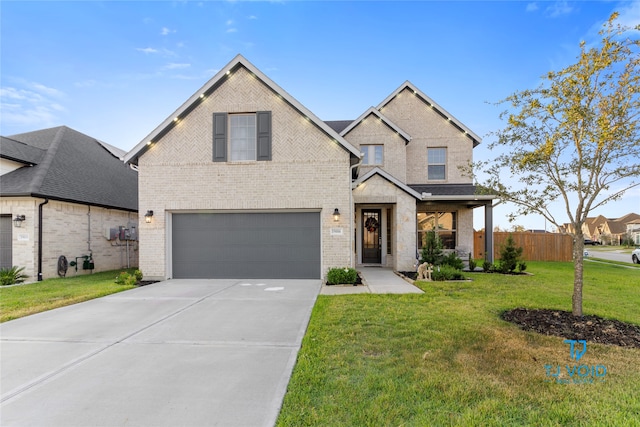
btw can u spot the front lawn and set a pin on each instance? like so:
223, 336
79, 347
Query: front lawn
23, 300
446, 357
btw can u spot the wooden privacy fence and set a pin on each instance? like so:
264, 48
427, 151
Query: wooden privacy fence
536, 246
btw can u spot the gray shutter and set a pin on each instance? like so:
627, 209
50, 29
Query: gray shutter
219, 137
264, 135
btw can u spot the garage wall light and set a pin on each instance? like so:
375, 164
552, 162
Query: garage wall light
148, 216
17, 221
336, 215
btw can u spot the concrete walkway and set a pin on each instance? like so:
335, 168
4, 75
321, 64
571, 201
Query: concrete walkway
376, 280
175, 353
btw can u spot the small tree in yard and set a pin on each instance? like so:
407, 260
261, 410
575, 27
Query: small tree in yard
509, 256
432, 249
574, 139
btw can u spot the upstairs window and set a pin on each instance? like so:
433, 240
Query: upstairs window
436, 163
242, 137
372, 154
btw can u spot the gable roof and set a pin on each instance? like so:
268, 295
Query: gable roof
338, 125
384, 120
437, 108
210, 87
380, 172
64, 164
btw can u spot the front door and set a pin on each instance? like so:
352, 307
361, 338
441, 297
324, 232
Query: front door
371, 237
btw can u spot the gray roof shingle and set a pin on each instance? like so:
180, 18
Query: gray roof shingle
70, 166
445, 189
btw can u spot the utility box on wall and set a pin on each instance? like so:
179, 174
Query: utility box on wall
110, 233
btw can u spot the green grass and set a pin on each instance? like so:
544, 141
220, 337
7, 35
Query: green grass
446, 358
23, 300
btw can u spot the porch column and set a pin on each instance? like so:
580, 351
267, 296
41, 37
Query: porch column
488, 232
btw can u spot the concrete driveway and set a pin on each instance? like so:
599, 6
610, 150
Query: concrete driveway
176, 353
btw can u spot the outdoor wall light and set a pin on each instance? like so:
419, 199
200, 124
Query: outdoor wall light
336, 214
17, 221
148, 216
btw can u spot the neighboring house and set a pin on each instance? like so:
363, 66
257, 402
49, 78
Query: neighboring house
633, 231
65, 193
609, 231
243, 181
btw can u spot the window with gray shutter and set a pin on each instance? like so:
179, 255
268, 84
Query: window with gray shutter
243, 136
220, 137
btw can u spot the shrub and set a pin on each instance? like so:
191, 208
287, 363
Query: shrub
452, 260
446, 272
431, 249
126, 279
522, 266
12, 276
337, 276
138, 275
472, 263
509, 256
487, 266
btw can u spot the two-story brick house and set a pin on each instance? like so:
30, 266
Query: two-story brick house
243, 181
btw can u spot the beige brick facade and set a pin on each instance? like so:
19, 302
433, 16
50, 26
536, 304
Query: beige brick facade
429, 129
308, 171
71, 230
373, 131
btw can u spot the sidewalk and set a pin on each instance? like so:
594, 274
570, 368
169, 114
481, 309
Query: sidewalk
376, 280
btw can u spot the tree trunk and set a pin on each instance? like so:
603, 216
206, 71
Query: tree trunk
578, 259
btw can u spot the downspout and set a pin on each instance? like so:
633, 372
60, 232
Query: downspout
353, 212
89, 229
40, 238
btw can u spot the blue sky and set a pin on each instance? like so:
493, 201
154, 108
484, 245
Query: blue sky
115, 70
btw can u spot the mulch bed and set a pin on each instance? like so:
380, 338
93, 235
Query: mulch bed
146, 282
564, 324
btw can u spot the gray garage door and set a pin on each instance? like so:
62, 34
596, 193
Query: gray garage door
246, 245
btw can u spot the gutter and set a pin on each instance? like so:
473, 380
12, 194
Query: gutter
40, 238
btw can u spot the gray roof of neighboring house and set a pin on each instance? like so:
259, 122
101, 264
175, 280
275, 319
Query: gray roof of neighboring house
64, 164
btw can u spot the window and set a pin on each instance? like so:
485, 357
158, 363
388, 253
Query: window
436, 163
444, 223
242, 137
372, 154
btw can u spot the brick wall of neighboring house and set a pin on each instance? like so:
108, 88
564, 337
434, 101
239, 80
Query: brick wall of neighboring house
428, 129
373, 131
71, 230
378, 192
307, 171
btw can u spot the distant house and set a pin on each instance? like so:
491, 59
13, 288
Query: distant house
245, 182
610, 231
63, 193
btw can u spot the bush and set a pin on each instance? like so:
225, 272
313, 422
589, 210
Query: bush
452, 260
472, 263
138, 275
12, 276
509, 256
522, 266
488, 267
431, 249
338, 276
446, 272
126, 279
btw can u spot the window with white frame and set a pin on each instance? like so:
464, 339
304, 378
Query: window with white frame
242, 137
372, 154
436, 163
